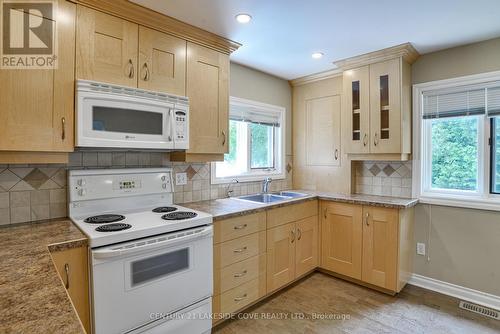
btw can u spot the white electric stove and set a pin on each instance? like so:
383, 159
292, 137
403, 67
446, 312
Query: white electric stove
151, 260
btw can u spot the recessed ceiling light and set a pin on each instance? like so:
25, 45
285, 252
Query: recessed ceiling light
317, 55
243, 18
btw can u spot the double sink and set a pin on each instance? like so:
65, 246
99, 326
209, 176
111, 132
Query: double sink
272, 197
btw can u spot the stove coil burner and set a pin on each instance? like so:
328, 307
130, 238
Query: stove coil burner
164, 209
179, 215
102, 219
113, 227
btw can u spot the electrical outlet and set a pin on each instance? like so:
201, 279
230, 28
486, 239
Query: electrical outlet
180, 179
420, 248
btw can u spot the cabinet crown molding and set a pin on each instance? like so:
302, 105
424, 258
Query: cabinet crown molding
149, 18
405, 51
316, 77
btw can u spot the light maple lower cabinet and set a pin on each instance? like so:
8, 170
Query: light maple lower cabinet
72, 266
37, 105
280, 256
368, 243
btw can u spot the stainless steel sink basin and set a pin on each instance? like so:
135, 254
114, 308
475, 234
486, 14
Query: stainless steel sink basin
264, 198
291, 194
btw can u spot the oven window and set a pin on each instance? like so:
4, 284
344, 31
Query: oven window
126, 120
159, 266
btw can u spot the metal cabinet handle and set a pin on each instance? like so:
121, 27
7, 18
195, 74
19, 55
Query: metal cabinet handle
131, 69
299, 234
146, 74
367, 221
365, 140
240, 250
66, 270
375, 140
324, 212
243, 273
240, 227
63, 132
293, 236
237, 299
224, 139
336, 154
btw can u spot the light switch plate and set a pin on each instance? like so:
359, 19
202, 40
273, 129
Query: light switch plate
180, 179
420, 248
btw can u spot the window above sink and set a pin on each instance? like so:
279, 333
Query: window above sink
256, 143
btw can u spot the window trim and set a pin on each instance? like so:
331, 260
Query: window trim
483, 199
258, 174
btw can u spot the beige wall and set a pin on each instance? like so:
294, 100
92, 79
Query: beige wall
464, 243
323, 178
254, 85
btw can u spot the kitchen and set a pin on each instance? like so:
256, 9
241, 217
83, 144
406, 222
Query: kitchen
166, 169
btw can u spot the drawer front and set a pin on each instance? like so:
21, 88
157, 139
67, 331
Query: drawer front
243, 295
240, 249
291, 213
237, 227
239, 273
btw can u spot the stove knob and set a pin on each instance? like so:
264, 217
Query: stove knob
82, 192
164, 186
81, 182
163, 178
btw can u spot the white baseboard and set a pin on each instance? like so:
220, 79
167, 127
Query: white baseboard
457, 291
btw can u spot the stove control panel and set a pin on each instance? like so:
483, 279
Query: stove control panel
99, 184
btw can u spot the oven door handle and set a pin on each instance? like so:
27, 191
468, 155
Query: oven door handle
152, 243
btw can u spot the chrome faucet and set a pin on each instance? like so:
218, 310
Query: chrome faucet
230, 191
265, 185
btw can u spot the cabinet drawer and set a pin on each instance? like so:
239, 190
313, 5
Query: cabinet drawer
291, 213
233, 228
240, 249
243, 295
239, 273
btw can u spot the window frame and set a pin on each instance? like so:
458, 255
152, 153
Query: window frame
422, 153
258, 174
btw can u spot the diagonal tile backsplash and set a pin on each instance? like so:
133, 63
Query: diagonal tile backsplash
38, 192
386, 178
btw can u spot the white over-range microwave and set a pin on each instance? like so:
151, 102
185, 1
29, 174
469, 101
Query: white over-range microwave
112, 116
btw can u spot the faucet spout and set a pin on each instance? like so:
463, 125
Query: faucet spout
265, 185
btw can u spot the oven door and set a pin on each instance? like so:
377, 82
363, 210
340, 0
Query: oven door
121, 121
134, 283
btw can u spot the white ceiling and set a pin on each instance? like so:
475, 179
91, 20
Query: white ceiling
283, 33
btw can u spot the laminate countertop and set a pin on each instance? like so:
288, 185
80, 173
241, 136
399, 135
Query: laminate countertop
231, 207
32, 296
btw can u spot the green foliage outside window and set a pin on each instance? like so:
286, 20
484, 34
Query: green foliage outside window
260, 150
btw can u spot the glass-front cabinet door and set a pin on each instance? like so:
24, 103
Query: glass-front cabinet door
385, 105
357, 109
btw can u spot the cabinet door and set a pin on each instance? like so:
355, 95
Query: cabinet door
106, 48
385, 107
306, 248
323, 131
37, 106
380, 246
280, 256
341, 238
162, 62
72, 266
208, 92
356, 87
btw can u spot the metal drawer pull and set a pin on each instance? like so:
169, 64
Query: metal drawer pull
293, 235
131, 69
63, 134
240, 227
146, 74
324, 212
237, 299
243, 273
299, 234
336, 154
240, 250
366, 219
66, 270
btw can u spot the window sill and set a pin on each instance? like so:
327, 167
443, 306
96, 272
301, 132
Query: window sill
248, 178
491, 204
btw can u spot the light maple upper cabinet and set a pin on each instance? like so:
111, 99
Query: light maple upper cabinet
37, 105
341, 238
377, 103
106, 48
162, 62
323, 140
356, 86
208, 92
367, 243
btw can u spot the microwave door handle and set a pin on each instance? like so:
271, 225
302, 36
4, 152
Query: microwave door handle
110, 252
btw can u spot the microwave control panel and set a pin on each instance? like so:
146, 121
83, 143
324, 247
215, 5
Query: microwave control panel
181, 128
